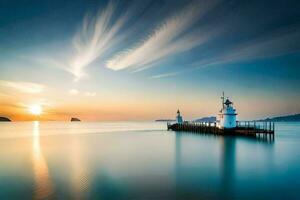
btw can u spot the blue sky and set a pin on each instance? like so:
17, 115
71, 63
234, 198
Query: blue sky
128, 60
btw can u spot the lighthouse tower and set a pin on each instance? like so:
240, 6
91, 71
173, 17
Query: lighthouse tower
227, 114
179, 118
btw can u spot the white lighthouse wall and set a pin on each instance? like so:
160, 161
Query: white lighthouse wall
228, 121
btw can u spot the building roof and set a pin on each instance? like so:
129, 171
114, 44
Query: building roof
227, 102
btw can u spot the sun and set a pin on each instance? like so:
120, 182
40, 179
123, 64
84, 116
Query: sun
35, 109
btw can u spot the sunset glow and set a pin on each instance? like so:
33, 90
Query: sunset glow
150, 99
35, 109
90, 60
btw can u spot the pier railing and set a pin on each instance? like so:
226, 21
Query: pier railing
259, 126
250, 128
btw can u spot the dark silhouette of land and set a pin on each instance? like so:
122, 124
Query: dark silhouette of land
286, 118
206, 119
4, 119
74, 119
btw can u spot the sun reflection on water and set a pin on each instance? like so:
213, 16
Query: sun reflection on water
43, 184
80, 179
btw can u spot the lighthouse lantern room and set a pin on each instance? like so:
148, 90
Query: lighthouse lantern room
227, 115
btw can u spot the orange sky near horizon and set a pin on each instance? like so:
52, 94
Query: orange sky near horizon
133, 108
92, 111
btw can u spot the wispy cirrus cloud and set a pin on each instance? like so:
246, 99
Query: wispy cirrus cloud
96, 36
164, 75
275, 43
25, 87
272, 44
100, 37
175, 35
101, 33
77, 92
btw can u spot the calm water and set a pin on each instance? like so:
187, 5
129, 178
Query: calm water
143, 161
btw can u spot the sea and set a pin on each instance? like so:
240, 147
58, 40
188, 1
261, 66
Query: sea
142, 160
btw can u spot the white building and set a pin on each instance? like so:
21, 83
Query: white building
227, 115
179, 119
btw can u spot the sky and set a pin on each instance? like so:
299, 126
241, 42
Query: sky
143, 60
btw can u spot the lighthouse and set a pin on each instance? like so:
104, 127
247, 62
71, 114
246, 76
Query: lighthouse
179, 118
227, 115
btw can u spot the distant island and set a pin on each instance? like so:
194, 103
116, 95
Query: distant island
4, 119
165, 120
206, 119
74, 119
286, 118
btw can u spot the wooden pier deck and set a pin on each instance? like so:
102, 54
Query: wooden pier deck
244, 128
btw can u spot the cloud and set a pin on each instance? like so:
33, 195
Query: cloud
101, 34
43, 60
90, 94
274, 44
164, 75
73, 92
96, 36
76, 92
101, 37
271, 44
25, 87
172, 37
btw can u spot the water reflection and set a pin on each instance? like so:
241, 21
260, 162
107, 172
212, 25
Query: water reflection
43, 185
228, 161
145, 165
200, 177
177, 162
80, 181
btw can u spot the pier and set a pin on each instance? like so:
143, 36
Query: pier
226, 125
243, 128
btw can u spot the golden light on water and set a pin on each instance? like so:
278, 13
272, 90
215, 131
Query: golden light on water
43, 184
35, 109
